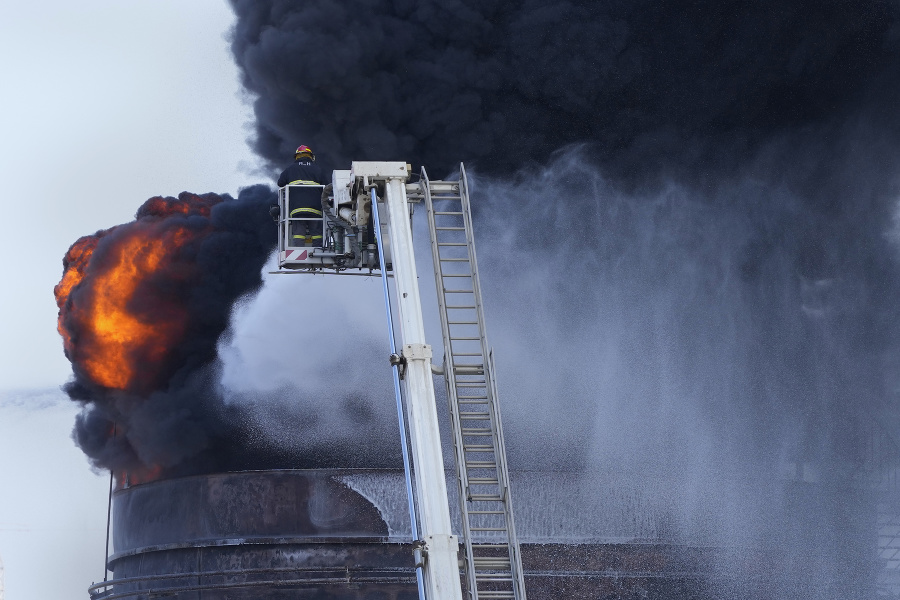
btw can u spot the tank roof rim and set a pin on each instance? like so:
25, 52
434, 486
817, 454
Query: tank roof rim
258, 541
324, 471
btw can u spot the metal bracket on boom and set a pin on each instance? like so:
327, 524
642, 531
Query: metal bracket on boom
417, 351
399, 361
420, 553
412, 351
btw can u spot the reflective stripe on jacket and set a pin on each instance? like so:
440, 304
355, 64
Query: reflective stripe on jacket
318, 213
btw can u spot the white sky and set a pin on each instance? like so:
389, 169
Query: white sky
105, 103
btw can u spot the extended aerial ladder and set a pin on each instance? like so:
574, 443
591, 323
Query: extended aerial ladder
357, 207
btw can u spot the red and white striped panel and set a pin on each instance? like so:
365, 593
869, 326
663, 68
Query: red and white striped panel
296, 254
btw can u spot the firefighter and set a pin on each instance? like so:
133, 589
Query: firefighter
304, 171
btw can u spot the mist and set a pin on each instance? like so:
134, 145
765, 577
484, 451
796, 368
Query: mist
728, 351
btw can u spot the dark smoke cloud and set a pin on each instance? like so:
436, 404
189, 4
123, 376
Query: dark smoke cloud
649, 85
177, 421
687, 212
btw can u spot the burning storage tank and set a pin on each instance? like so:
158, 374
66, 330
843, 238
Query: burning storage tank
344, 534
153, 413
340, 534
267, 534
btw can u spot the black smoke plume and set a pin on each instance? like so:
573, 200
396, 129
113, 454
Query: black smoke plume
648, 85
689, 212
167, 283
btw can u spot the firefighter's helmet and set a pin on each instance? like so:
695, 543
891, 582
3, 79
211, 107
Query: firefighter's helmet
304, 152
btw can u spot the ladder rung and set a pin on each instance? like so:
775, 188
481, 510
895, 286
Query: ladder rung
481, 464
484, 480
479, 447
471, 397
453, 259
487, 546
450, 228
470, 401
455, 275
465, 339
485, 560
465, 354
442, 244
487, 528
462, 322
447, 213
475, 415
484, 498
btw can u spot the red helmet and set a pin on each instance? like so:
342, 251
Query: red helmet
304, 152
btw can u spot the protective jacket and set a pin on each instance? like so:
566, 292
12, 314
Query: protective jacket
304, 205
304, 171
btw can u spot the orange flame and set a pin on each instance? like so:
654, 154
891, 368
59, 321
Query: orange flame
119, 336
75, 262
137, 476
118, 316
189, 204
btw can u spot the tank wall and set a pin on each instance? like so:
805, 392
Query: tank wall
344, 535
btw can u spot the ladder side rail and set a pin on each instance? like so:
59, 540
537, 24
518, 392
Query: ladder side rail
449, 373
490, 389
282, 224
473, 260
500, 446
450, 381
